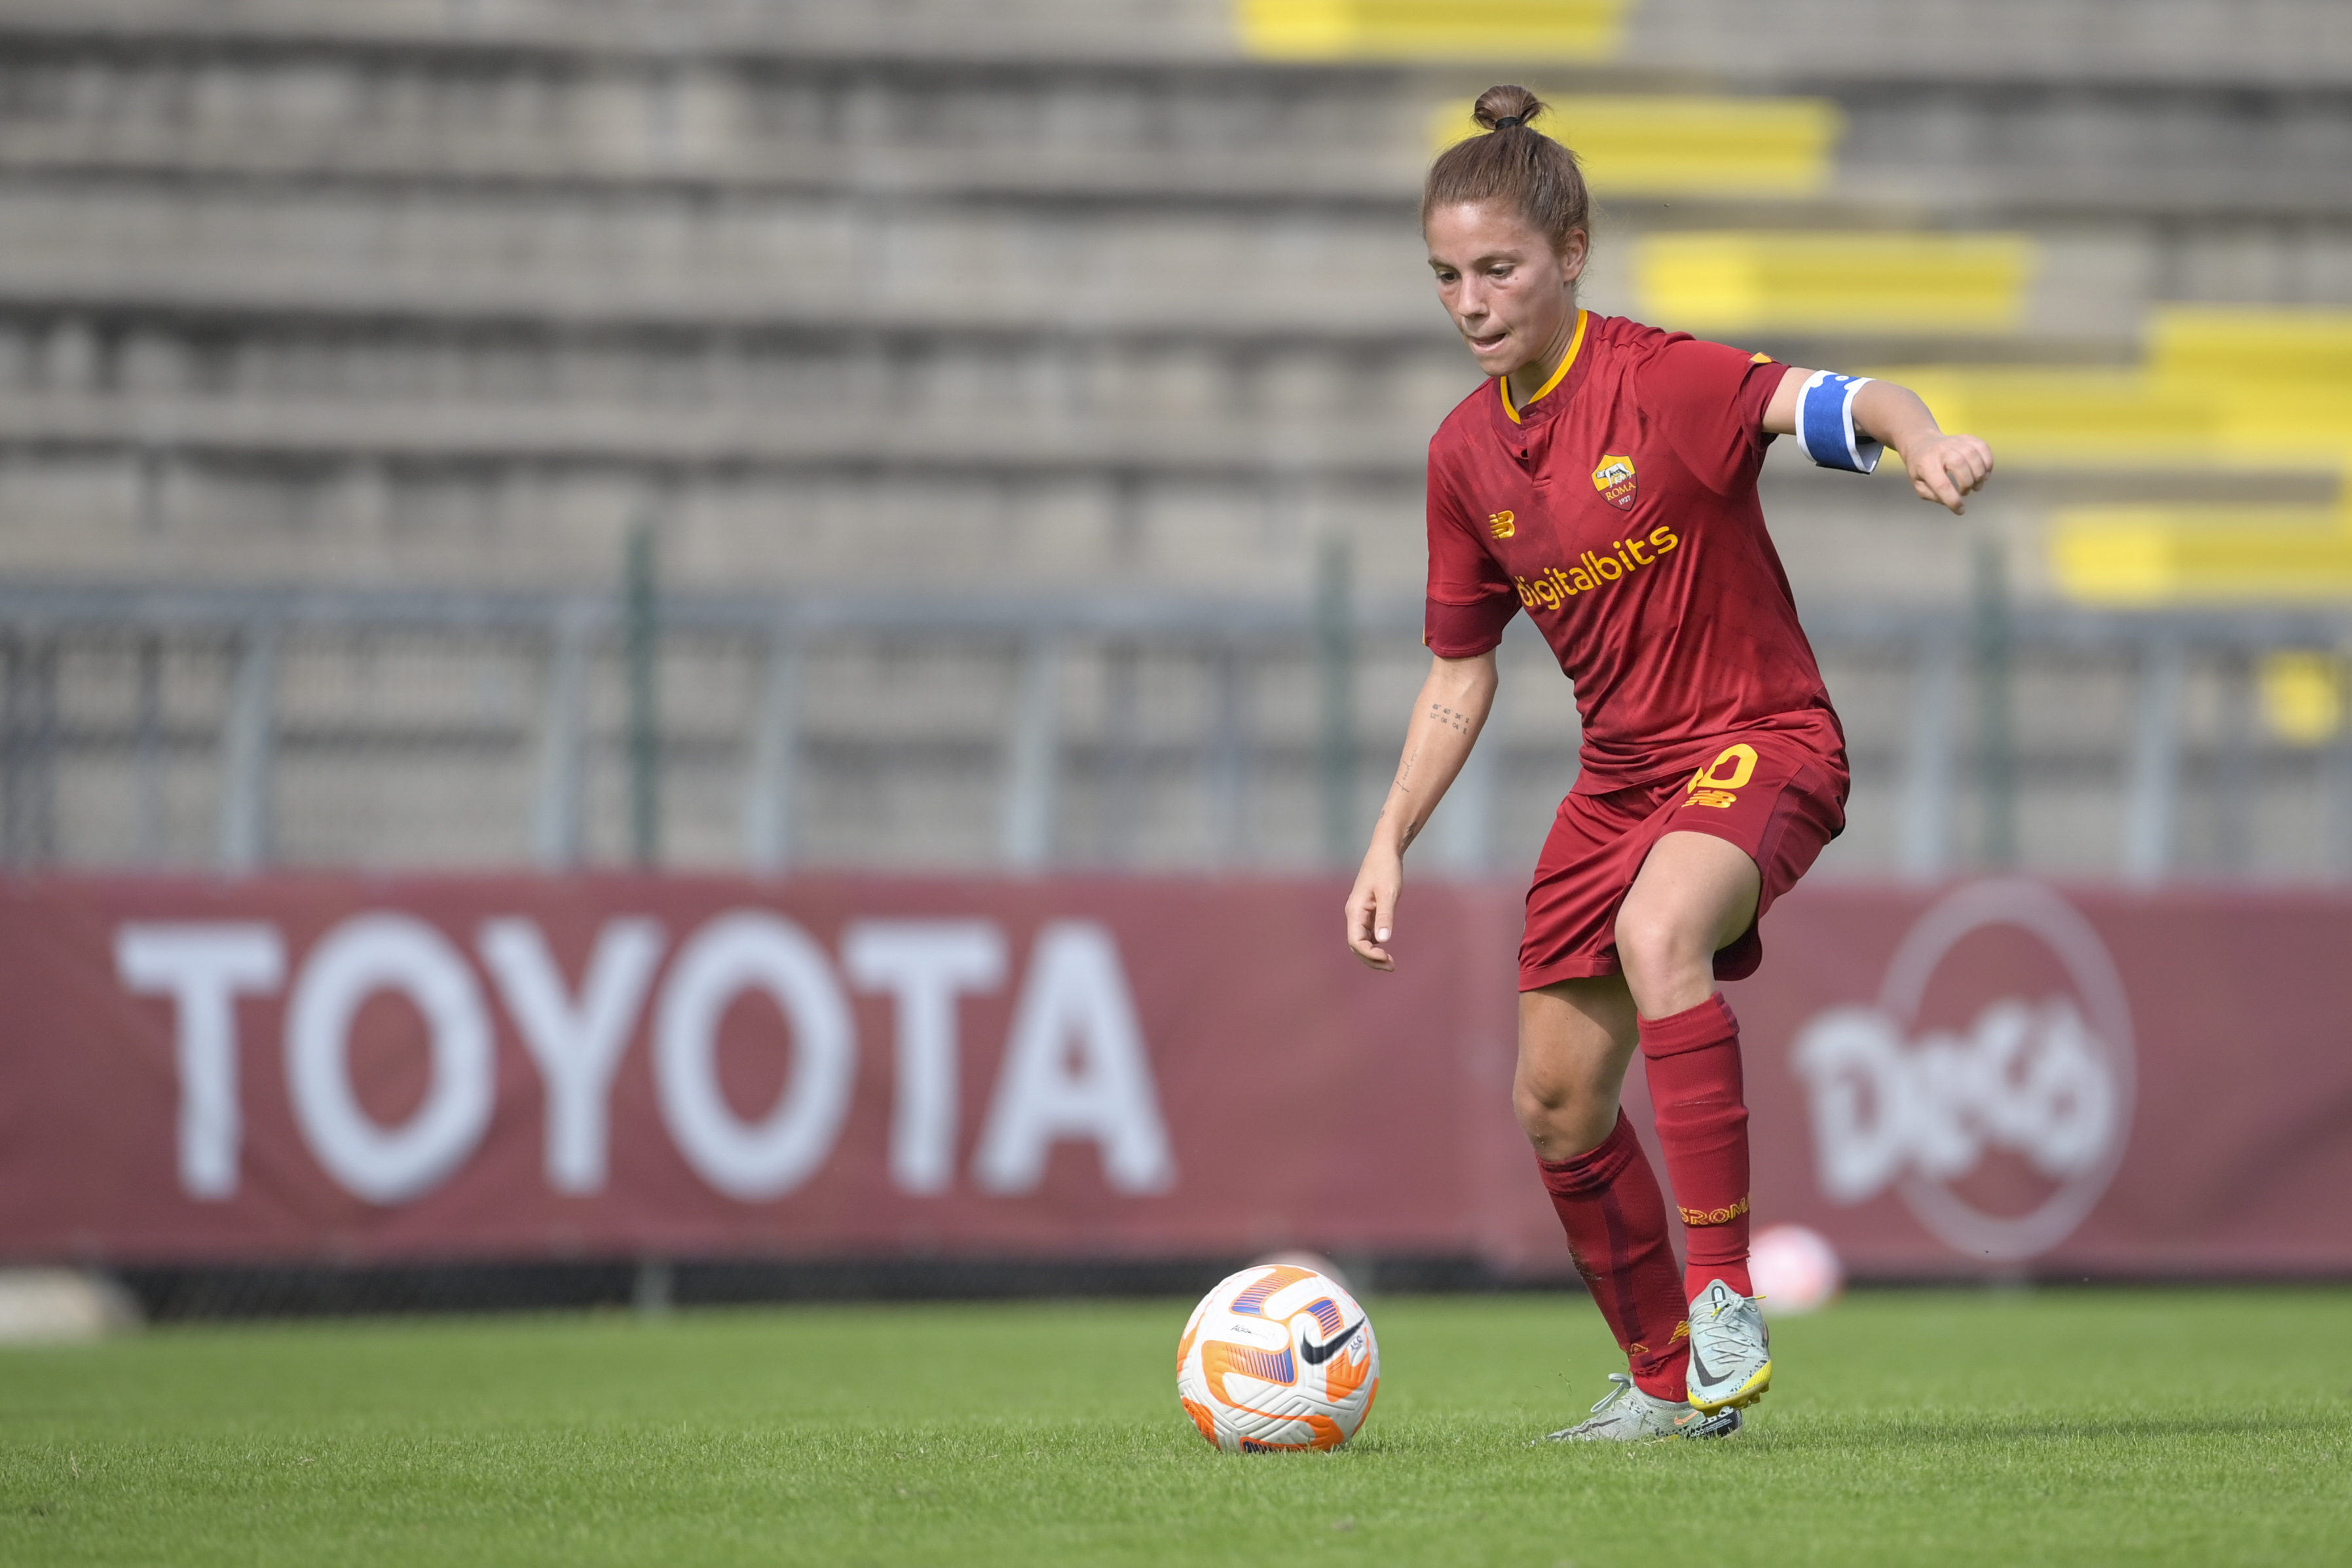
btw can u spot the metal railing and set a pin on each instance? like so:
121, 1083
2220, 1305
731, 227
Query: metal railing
235, 729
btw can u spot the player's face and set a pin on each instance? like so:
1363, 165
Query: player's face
1512, 296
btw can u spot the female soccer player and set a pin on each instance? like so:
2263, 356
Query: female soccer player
1604, 481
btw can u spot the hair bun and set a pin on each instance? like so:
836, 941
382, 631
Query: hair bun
1533, 174
1499, 107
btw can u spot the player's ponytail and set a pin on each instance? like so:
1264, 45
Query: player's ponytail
1515, 163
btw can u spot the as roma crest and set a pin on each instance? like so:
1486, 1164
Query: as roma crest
1615, 480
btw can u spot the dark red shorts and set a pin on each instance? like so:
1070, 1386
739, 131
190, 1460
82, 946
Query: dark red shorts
1777, 799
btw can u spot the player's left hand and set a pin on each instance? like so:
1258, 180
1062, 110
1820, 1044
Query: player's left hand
1949, 469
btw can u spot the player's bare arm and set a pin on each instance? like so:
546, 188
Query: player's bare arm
1944, 469
1453, 707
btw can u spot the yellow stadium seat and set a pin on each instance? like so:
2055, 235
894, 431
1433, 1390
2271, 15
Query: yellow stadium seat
2140, 556
1425, 29
2281, 422
2224, 387
2103, 418
2252, 342
1670, 145
2068, 417
2280, 380
2303, 696
1748, 282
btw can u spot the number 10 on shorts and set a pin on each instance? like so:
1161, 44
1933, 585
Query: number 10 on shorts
1712, 785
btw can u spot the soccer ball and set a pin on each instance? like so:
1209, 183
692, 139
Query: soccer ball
1795, 1270
1277, 1357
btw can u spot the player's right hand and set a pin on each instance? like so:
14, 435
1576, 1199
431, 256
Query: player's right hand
1372, 908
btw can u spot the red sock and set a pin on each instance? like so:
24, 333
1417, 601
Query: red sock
1692, 1059
1615, 1218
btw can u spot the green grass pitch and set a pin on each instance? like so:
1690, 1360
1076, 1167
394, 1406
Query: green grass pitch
2067, 1426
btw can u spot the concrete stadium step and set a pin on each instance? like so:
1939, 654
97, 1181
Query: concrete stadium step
323, 327
2209, 153
564, 114
2009, 40
342, 445
1161, 30
674, 257
329, 389
901, 123
2253, 42
671, 258
2244, 42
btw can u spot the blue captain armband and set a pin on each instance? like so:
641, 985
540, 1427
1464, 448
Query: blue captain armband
1825, 424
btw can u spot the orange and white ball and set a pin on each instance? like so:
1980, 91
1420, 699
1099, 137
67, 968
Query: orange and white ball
1276, 1357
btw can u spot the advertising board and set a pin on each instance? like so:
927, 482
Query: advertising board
1994, 1077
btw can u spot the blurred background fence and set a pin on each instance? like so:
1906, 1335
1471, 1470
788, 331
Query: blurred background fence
229, 730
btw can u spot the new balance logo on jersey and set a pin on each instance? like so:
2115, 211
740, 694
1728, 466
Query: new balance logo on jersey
1503, 525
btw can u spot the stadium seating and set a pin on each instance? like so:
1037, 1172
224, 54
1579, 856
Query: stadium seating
1425, 29
1744, 282
1685, 144
1102, 297
502, 241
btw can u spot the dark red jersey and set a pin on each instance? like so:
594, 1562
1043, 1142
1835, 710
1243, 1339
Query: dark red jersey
1619, 509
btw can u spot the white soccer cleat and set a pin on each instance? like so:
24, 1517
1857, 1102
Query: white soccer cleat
1731, 1350
1626, 1414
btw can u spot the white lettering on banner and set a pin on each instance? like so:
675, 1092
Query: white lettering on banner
2049, 1080
366, 954
203, 966
925, 965
576, 1041
744, 951
2024, 1079
1075, 1067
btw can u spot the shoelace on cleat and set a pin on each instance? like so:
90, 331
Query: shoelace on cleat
1747, 1332
1624, 1389
1621, 1392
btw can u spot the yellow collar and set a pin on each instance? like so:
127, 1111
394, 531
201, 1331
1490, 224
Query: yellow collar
1575, 346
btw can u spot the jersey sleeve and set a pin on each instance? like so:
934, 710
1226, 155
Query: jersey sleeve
1710, 399
1471, 597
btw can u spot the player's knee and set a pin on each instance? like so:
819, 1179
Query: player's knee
1535, 1102
1559, 1115
1658, 950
